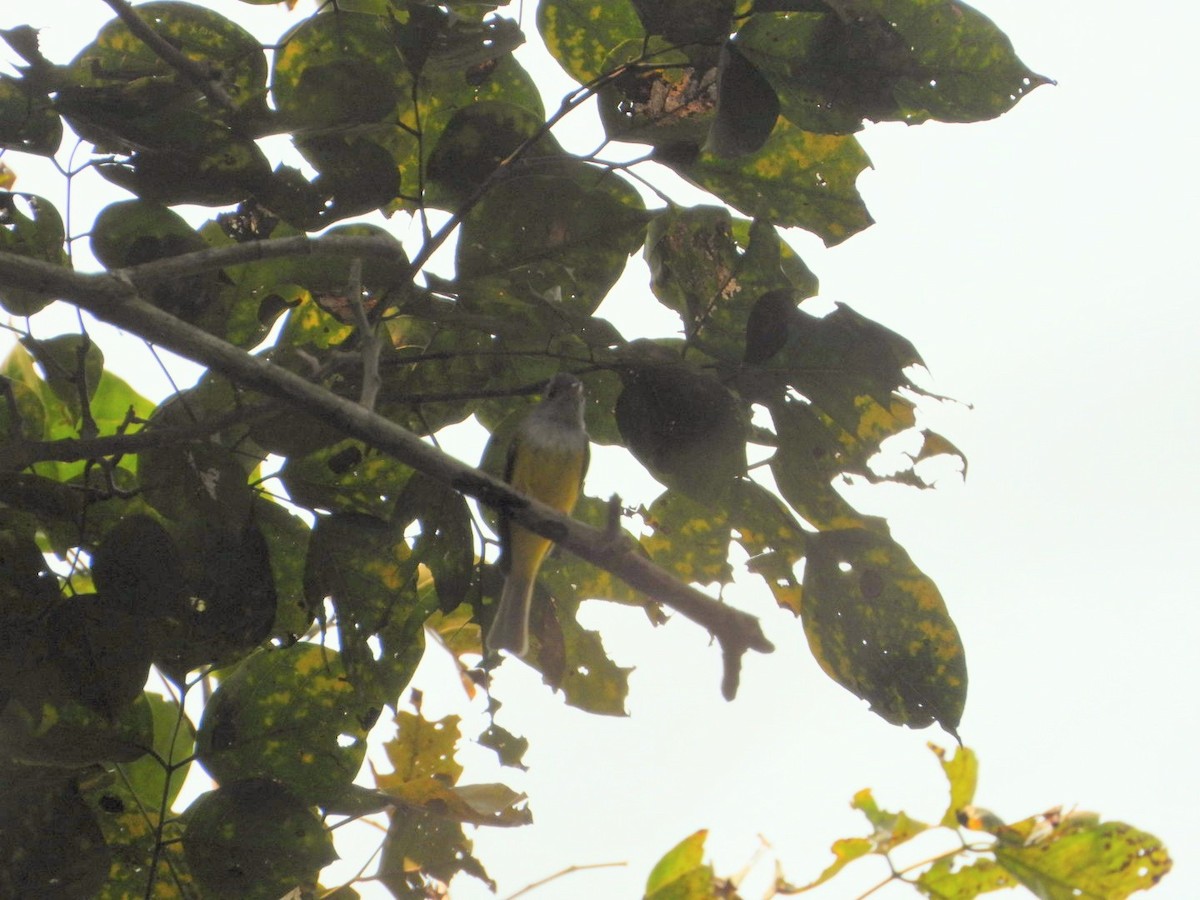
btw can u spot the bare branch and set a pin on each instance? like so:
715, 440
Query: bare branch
115, 300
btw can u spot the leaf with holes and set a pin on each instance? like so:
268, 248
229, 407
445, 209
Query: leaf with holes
878, 626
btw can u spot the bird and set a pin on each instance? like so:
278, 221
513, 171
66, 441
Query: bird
547, 460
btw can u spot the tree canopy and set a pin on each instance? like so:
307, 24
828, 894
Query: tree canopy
286, 535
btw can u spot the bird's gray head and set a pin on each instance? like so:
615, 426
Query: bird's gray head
563, 398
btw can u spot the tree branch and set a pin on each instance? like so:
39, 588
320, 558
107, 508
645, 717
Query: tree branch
204, 78
16, 455
114, 299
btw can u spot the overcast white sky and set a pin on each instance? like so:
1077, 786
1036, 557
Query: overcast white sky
1043, 265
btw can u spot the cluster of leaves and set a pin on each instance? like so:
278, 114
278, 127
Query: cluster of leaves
1054, 854
135, 536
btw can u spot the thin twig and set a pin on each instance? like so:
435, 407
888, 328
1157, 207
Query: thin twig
16, 455
569, 870
370, 345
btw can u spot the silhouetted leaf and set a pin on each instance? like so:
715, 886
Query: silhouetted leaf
746, 107
685, 427
254, 839
51, 845
29, 226
28, 122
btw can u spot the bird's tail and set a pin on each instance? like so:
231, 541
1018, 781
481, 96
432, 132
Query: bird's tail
510, 627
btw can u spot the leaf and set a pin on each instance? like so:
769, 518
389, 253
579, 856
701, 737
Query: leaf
72, 364
174, 743
206, 37
28, 122
686, 21
30, 226
808, 458
967, 69
684, 427
51, 844
962, 772
845, 851
1077, 855
681, 874
365, 568
423, 852
659, 97
509, 747
564, 240
879, 627
425, 840
98, 650
945, 882
773, 540
798, 179
689, 539
288, 714
477, 140
747, 107
126, 804
581, 33
572, 659
891, 829
254, 839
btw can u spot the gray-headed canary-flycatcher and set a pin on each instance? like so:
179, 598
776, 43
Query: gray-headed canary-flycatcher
547, 460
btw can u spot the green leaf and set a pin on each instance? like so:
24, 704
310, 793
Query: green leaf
1077, 855
286, 536
845, 851
689, 539
100, 651
28, 123
572, 659
254, 839
891, 829
174, 743
206, 37
288, 714
476, 140
366, 569
660, 97
46, 724
30, 226
72, 364
798, 179
808, 458
878, 626
138, 568
773, 540
563, 239
967, 70
445, 545
681, 874
227, 606
946, 882
580, 34
962, 772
